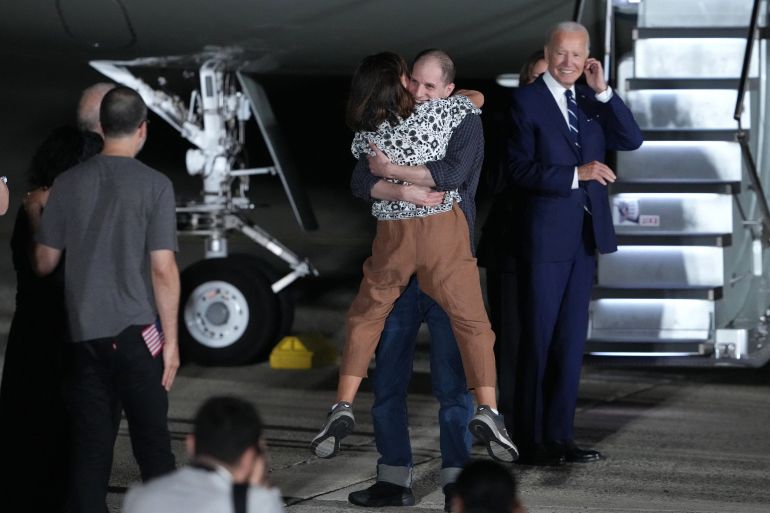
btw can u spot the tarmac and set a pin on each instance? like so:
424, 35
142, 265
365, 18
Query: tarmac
675, 439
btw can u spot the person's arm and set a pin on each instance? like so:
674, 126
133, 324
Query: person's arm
381, 166
45, 259
362, 181
3, 196
33, 205
364, 185
165, 286
621, 131
417, 194
476, 97
162, 245
445, 174
465, 144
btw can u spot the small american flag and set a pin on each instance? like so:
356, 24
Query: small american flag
153, 337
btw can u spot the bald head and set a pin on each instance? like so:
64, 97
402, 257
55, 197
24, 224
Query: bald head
433, 74
88, 107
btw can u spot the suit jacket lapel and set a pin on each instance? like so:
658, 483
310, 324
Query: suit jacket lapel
553, 112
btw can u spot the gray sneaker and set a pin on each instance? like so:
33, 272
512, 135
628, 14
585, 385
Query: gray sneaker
490, 429
338, 425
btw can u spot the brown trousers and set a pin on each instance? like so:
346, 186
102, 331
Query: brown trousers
437, 249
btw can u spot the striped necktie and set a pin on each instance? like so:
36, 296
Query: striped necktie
575, 133
572, 117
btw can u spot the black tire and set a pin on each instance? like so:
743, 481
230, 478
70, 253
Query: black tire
229, 314
285, 297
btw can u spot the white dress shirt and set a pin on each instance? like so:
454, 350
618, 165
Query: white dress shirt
557, 90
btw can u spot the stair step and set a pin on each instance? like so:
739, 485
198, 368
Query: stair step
692, 58
686, 109
725, 135
693, 293
675, 186
720, 240
708, 163
651, 320
662, 267
643, 351
637, 84
672, 214
694, 13
691, 32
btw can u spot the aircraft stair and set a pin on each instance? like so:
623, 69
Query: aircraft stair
689, 282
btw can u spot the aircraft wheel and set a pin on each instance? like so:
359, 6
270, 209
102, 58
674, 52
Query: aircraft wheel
229, 315
285, 297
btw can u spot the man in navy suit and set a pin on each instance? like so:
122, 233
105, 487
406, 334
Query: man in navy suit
559, 135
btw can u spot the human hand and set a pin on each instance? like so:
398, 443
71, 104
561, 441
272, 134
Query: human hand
259, 471
596, 171
170, 363
35, 200
379, 163
595, 75
476, 97
421, 196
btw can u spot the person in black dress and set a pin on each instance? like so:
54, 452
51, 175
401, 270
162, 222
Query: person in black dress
33, 422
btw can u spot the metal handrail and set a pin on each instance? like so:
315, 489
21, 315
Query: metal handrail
608, 30
577, 12
748, 158
577, 15
756, 185
743, 84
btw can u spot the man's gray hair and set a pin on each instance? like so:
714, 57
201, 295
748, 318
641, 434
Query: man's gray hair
568, 26
444, 61
88, 106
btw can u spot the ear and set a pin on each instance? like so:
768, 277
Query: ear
142, 130
189, 443
449, 89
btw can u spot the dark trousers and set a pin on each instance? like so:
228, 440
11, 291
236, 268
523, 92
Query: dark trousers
503, 300
554, 327
107, 373
394, 357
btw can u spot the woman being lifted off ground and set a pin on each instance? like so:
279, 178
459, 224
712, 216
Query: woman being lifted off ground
429, 241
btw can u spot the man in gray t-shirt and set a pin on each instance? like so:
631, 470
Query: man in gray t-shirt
115, 218
110, 213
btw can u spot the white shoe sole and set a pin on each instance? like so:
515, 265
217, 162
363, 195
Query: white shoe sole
327, 443
498, 447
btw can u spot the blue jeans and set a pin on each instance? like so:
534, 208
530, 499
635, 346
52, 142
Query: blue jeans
394, 357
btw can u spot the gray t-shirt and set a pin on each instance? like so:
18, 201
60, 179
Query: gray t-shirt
108, 214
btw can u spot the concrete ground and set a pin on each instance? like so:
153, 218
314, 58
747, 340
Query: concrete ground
676, 440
